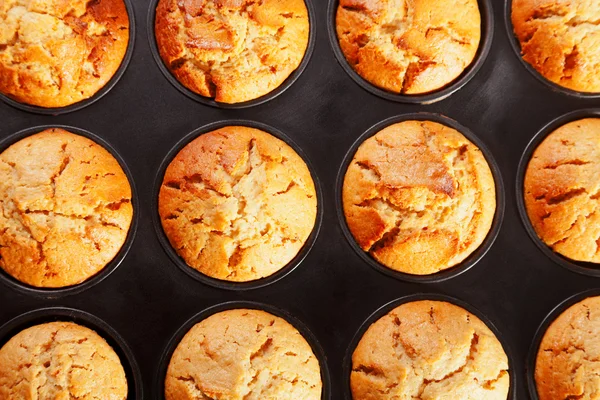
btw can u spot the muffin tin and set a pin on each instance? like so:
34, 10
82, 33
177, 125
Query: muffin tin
147, 299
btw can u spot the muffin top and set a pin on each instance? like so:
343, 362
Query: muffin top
410, 47
237, 204
427, 350
243, 354
232, 50
567, 360
562, 190
54, 53
561, 40
65, 209
419, 197
60, 360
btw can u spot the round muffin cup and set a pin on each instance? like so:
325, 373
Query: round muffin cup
585, 268
485, 44
232, 305
218, 283
474, 257
100, 93
64, 314
245, 104
385, 309
516, 46
541, 331
52, 293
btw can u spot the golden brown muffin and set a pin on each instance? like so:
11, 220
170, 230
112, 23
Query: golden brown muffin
429, 350
562, 190
54, 53
60, 360
409, 46
232, 50
567, 361
419, 197
237, 204
243, 355
561, 40
65, 209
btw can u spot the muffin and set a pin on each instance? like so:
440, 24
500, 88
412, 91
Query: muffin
54, 53
65, 209
561, 40
243, 354
567, 361
419, 197
429, 350
60, 360
237, 204
562, 190
409, 47
232, 50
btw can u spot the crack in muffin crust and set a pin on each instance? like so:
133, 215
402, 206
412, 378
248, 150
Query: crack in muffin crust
232, 50
53, 54
65, 209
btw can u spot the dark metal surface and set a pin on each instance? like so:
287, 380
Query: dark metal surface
333, 291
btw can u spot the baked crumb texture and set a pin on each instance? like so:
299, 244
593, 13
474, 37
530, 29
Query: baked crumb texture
419, 197
427, 350
237, 204
60, 360
243, 355
65, 209
232, 50
54, 53
567, 364
561, 40
562, 190
409, 46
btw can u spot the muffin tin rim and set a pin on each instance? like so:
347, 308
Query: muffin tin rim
486, 12
198, 317
383, 310
516, 49
119, 345
117, 260
554, 313
209, 101
112, 82
472, 259
219, 283
580, 267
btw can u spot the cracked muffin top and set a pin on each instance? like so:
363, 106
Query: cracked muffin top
561, 40
562, 190
54, 53
243, 354
429, 350
567, 360
232, 50
65, 209
60, 360
237, 204
419, 197
409, 47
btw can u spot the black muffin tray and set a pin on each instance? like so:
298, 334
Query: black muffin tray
147, 299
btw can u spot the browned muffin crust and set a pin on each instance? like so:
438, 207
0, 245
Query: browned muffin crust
232, 50
54, 53
567, 364
60, 360
429, 350
419, 197
65, 209
562, 190
409, 46
237, 204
